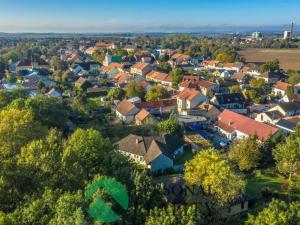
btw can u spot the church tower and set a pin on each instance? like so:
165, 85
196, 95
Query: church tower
107, 60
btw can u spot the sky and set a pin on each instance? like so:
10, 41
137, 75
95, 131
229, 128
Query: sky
103, 16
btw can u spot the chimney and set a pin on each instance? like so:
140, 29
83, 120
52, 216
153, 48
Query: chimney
137, 141
230, 122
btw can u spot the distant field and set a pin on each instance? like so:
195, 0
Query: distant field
288, 58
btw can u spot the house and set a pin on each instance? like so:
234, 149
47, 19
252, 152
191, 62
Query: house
233, 101
207, 110
126, 111
237, 126
32, 81
288, 124
210, 64
54, 93
269, 117
122, 79
251, 69
271, 77
163, 106
290, 98
112, 69
141, 69
159, 77
90, 50
240, 77
179, 59
189, 99
189, 82
97, 92
236, 66
206, 87
157, 153
82, 83
30, 65
280, 88
85, 68
144, 118
287, 108
224, 85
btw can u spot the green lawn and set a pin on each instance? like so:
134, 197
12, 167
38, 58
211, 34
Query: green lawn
257, 182
266, 178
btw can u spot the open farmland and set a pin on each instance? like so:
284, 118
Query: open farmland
288, 58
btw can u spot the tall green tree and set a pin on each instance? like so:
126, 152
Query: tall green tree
176, 75
277, 213
171, 126
247, 153
215, 175
174, 215
133, 89
156, 92
287, 156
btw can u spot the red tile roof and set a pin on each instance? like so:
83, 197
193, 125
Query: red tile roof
281, 85
158, 103
231, 121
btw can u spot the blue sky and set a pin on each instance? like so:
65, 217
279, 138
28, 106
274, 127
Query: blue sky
142, 15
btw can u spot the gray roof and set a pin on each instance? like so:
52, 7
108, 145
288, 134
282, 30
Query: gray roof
274, 114
150, 146
289, 106
286, 124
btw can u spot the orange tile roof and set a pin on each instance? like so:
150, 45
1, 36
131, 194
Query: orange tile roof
231, 121
159, 76
142, 114
122, 77
111, 66
206, 84
140, 65
125, 107
103, 44
281, 85
188, 94
179, 55
211, 62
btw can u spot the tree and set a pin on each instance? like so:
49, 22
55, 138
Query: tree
50, 111
171, 126
156, 92
287, 156
277, 213
257, 83
246, 153
115, 94
174, 215
235, 89
17, 128
176, 75
132, 89
272, 66
41, 160
226, 55
82, 157
215, 175
164, 67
